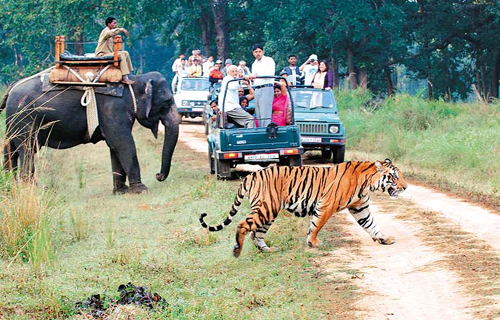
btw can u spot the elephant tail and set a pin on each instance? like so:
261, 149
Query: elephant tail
3, 103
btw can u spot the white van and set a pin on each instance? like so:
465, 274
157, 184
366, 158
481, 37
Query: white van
191, 96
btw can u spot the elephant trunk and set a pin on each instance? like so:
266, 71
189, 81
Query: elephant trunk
171, 135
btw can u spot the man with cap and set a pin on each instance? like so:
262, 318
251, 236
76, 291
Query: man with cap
264, 92
309, 68
229, 63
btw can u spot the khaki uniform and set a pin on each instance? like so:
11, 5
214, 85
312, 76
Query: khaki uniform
105, 48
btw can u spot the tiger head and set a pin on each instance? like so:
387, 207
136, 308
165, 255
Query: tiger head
392, 179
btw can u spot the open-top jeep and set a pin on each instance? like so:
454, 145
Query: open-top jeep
230, 145
316, 114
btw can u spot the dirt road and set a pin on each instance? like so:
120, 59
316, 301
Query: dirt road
444, 265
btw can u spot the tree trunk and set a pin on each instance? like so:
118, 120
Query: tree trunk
222, 34
335, 65
352, 71
430, 93
205, 30
390, 87
363, 78
141, 58
495, 76
78, 36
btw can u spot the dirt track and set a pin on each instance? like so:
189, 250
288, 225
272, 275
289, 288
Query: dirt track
444, 265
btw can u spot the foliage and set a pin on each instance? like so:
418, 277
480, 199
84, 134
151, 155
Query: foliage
449, 44
451, 142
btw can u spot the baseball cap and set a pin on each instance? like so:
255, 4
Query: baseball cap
229, 61
218, 61
313, 57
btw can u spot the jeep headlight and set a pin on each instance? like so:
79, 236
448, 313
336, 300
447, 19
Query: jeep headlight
185, 103
334, 129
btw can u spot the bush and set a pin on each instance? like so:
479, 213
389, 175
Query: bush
457, 142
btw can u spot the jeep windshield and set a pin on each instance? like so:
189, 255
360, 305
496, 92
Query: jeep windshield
195, 84
308, 98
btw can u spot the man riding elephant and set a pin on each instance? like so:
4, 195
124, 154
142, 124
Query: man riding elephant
105, 47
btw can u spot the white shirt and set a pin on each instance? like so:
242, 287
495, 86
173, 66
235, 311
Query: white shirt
264, 67
176, 64
206, 67
232, 100
309, 72
183, 72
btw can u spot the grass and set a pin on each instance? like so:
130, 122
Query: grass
433, 141
155, 240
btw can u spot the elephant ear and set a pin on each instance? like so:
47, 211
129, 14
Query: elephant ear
149, 94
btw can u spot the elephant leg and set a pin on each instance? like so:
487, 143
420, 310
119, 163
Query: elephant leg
126, 155
119, 175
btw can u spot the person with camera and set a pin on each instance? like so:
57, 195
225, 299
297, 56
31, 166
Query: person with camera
309, 68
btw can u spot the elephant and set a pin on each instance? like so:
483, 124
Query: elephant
36, 117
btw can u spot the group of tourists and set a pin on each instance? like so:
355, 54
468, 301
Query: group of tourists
271, 101
270, 96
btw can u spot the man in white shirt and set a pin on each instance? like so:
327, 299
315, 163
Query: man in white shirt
309, 68
175, 69
207, 65
264, 92
229, 101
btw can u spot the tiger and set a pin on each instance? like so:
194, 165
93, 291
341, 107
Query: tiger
311, 191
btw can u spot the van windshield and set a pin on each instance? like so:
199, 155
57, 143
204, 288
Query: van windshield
195, 84
313, 99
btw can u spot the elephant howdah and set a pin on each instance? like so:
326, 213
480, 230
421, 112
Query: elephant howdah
72, 69
56, 118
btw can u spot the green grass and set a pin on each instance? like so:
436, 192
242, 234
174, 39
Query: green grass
155, 240
453, 143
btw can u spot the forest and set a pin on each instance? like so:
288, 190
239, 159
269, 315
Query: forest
445, 49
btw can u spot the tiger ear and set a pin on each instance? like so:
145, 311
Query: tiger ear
379, 166
387, 160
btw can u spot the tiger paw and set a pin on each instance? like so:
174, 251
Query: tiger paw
313, 243
267, 249
388, 240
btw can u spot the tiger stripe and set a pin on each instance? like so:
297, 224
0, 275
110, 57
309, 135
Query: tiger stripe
315, 191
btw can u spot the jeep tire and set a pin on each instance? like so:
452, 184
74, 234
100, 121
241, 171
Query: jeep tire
339, 154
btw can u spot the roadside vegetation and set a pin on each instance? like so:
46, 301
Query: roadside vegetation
451, 145
99, 241
67, 237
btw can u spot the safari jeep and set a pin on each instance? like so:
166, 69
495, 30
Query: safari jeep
316, 114
191, 96
230, 145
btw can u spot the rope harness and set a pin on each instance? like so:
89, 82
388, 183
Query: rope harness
89, 101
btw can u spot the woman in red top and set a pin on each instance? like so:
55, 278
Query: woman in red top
280, 104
